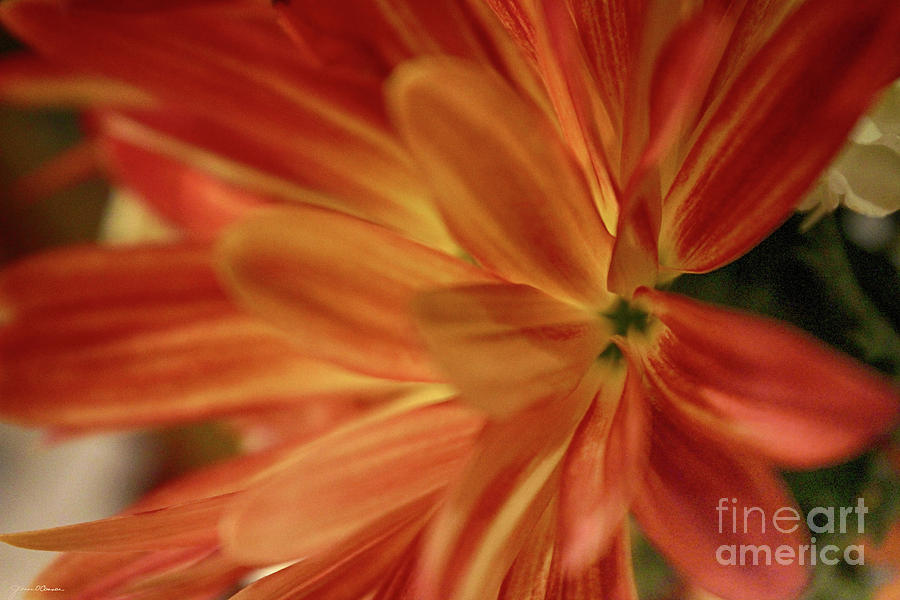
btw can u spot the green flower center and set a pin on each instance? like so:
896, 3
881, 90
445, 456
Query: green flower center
627, 318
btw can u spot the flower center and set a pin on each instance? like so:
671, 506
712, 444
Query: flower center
626, 319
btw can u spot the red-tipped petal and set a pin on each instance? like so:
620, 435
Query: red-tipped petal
754, 379
507, 187
690, 475
351, 486
491, 512
99, 337
508, 346
782, 120
343, 288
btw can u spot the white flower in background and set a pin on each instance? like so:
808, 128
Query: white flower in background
865, 177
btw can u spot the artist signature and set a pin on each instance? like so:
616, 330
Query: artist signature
15, 589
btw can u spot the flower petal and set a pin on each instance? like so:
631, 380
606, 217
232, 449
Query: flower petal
508, 346
351, 486
303, 125
401, 582
209, 576
158, 340
262, 167
691, 475
183, 525
522, 208
32, 81
529, 576
491, 511
150, 5
781, 122
342, 288
609, 577
602, 468
587, 120
681, 76
375, 37
184, 195
754, 379
754, 24
610, 32
342, 575
93, 574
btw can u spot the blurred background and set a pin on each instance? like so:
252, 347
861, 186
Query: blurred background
839, 280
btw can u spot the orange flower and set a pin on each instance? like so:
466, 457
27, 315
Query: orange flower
498, 221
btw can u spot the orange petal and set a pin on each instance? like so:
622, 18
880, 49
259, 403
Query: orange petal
359, 38
888, 551
508, 346
591, 126
303, 124
602, 469
522, 207
99, 337
83, 575
184, 195
263, 166
342, 288
401, 582
151, 5
200, 576
781, 122
304, 421
754, 24
610, 33
634, 255
691, 475
212, 577
753, 379
529, 576
224, 477
183, 525
343, 575
372, 38
680, 80
351, 486
609, 577
492, 510
33, 81
888, 591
